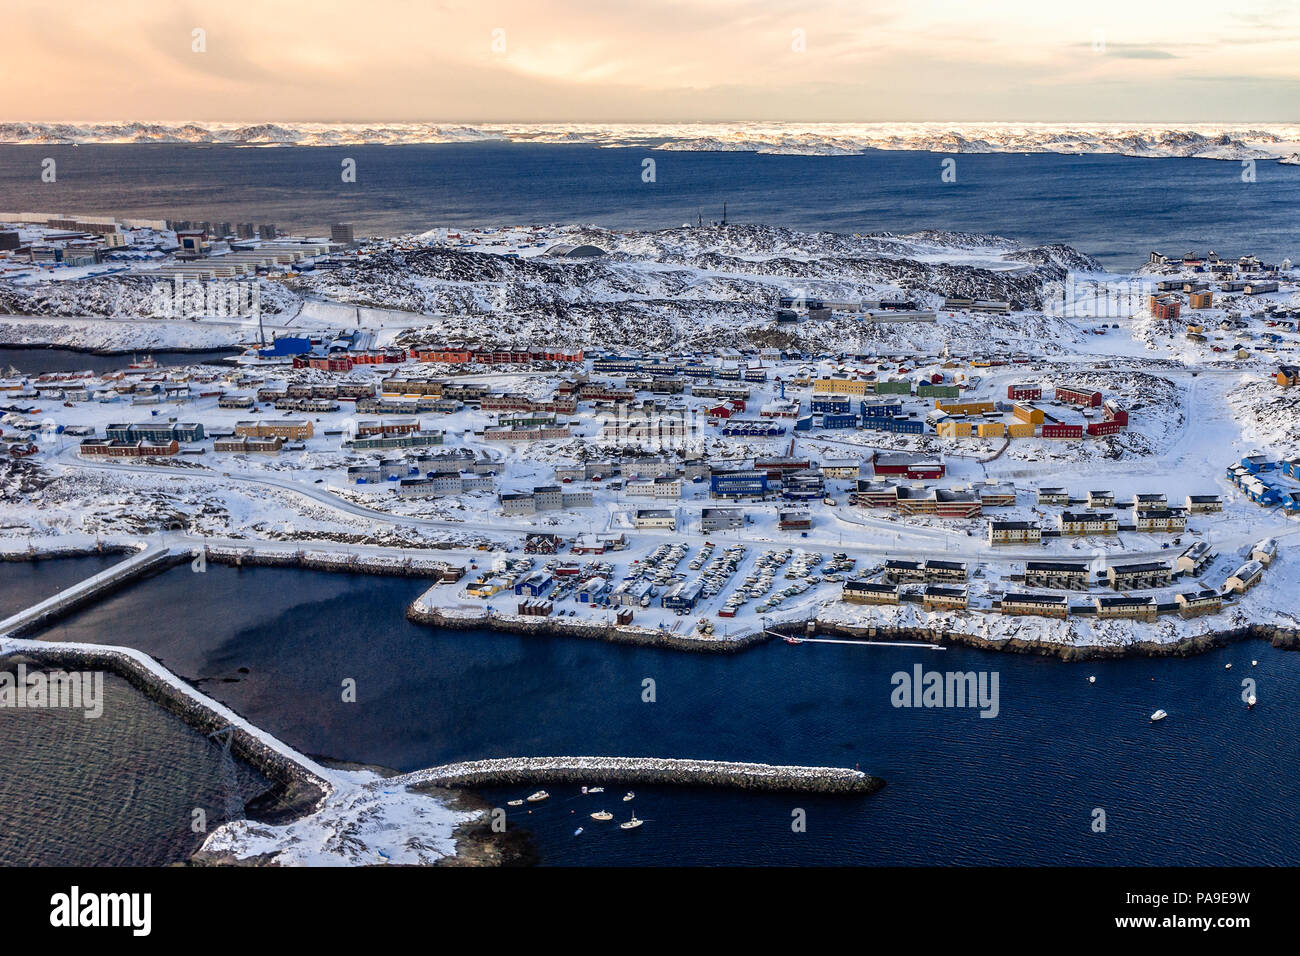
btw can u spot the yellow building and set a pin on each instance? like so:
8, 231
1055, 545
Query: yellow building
965, 408
843, 386
991, 430
1027, 413
954, 429
1020, 430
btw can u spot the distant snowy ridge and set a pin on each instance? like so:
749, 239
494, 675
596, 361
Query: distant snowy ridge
1197, 140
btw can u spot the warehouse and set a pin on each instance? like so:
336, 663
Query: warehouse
1058, 575
797, 520
721, 519
683, 596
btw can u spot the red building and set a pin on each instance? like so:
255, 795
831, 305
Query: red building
1113, 412
913, 468
328, 363
1097, 429
1078, 396
1165, 306
1022, 392
1059, 430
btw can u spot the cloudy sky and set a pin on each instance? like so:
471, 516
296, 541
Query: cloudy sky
653, 61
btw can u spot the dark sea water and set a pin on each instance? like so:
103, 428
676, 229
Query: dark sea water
1116, 208
41, 360
1213, 784
120, 788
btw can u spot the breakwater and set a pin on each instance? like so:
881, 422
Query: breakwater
152, 560
339, 561
457, 619
421, 613
644, 770
299, 787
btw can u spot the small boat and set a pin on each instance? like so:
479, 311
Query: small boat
514, 803
631, 824
628, 796
594, 790
577, 831
1250, 701
1092, 680
794, 640
1254, 663
1227, 667
1158, 715
538, 797
602, 815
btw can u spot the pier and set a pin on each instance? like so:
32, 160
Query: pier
644, 770
155, 557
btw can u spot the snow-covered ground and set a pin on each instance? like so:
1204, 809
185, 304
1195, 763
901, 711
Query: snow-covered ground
1200, 140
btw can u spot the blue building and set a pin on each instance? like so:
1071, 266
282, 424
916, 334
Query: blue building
840, 421
803, 424
285, 346
738, 484
832, 404
899, 425
881, 409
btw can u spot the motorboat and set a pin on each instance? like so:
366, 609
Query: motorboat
1158, 715
538, 797
631, 824
602, 815
628, 796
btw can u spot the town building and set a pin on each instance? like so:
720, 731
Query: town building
1014, 532
1039, 605
1087, 523
1139, 575
1057, 575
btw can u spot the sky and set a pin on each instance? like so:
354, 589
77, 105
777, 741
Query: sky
610, 61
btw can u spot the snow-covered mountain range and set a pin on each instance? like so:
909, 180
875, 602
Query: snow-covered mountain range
1199, 140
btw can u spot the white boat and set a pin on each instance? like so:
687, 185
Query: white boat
514, 803
602, 815
1254, 663
1250, 701
628, 796
1227, 667
538, 797
1092, 680
594, 790
577, 831
631, 824
1158, 715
